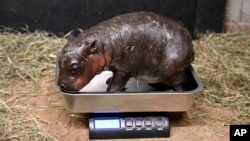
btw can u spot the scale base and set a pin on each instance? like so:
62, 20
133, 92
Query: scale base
128, 125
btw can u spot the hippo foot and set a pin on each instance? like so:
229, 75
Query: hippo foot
108, 81
178, 88
115, 90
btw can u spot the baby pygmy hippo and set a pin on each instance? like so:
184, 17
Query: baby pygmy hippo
142, 45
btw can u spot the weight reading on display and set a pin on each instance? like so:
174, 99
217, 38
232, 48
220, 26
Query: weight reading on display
107, 123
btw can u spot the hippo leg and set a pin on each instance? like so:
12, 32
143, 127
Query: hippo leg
178, 88
108, 81
118, 82
176, 84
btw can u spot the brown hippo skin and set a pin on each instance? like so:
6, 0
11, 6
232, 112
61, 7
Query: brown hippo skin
142, 45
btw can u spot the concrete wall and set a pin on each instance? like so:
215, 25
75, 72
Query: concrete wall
237, 19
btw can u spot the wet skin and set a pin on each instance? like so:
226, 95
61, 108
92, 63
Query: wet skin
143, 45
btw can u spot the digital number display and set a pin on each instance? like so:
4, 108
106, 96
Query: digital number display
107, 123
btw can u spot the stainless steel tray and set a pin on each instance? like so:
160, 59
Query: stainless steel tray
138, 96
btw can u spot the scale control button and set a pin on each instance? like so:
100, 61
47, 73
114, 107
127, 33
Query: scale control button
138, 122
129, 122
148, 122
159, 121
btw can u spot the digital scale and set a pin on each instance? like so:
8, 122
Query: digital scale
138, 112
128, 125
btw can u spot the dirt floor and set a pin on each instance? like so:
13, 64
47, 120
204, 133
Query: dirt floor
203, 122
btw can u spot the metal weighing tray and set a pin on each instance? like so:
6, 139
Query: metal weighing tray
138, 96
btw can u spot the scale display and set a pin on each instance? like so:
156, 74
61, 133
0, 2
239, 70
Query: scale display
107, 123
128, 125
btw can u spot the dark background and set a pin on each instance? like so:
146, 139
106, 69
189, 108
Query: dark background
61, 16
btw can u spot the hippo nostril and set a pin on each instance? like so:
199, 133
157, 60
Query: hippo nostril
62, 86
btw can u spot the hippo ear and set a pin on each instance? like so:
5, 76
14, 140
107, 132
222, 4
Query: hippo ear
69, 37
73, 33
93, 46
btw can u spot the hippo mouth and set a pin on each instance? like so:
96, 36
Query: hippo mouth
65, 87
69, 91
74, 89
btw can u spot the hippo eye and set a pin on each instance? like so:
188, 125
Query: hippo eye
75, 69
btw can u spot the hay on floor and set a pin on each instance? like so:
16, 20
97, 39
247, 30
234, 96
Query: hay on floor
23, 59
222, 62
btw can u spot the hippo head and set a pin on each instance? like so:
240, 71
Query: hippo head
78, 62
